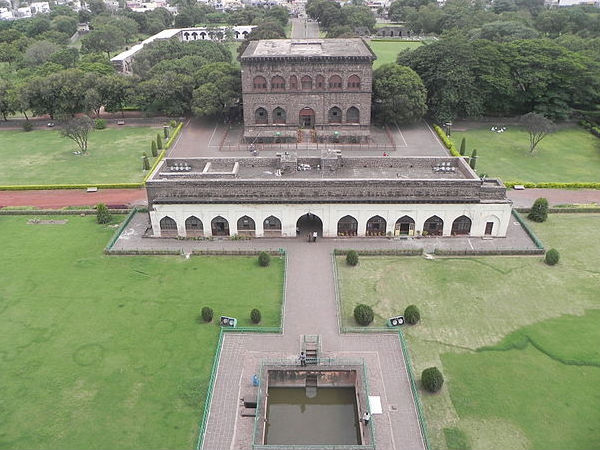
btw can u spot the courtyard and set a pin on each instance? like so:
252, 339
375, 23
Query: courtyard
106, 352
387, 50
494, 325
44, 157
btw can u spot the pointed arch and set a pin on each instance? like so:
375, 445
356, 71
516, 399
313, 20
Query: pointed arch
261, 116
335, 83
246, 226
194, 227
277, 84
376, 226
405, 226
306, 82
353, 82
272, 226
219, 226
259, 83
434, 226
347, 226
279, 116
461, 226
334, 115
168, 226
353, 115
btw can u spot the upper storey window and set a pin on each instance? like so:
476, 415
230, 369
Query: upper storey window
277, 84
335, 83
260, 84
306, 83
353, 82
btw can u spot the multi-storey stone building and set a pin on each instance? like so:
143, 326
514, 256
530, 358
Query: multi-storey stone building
316, 84
335, 196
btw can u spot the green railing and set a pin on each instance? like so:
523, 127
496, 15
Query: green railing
528, 230
413, 388
119, 230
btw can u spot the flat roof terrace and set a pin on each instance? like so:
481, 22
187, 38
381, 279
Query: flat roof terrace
307, 49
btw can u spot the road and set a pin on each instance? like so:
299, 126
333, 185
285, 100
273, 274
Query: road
304, 29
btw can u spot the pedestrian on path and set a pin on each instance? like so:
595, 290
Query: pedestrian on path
314, 236
309, 237
302, 359
366, 418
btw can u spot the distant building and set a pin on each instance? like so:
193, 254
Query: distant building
319, 85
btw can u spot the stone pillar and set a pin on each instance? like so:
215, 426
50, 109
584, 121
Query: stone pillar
155, 223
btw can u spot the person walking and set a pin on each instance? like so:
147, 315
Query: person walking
314, 236
302, 359
366, 418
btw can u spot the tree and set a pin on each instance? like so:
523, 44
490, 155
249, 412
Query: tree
538, 128
255, 316
552, 257
7, 104
399, 95
539, 210
264, 259
352, 258
412, 314
145, 162
39, 52
432, 379
207, 313
154, 149
105, 39
220, 87
103, 215
473, 159
463, 146
363, 314
78, 130
159, 144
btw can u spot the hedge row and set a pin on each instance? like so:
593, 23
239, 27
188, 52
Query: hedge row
488, 252
193, 252
575, 209
56, 212
447, 141
37, 187
528, 230
553, 185
392, 251
592, 128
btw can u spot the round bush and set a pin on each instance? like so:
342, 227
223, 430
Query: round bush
412, 314
352, 258
207, 314
99, 124
539, 210
103, 215
27, 126
255, 316
264, 259
552, 257
432, 379
363, 314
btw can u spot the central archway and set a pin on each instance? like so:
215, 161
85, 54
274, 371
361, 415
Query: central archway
308, 223
307, 118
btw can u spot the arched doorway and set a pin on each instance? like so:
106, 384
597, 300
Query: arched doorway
308, 223
193, 227
434, 226
347, 226
405, 226
246, 226
307, 118
376, 226
168, 227
272, 226
461, 226
219, 226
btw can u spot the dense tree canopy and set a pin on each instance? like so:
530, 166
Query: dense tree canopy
331, 15
399, 95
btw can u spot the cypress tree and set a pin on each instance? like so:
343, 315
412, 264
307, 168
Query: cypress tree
154, 150
463, 146
145, 162
158, 141
473, 159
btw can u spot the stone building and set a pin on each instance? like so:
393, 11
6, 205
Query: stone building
306, 90
286, 195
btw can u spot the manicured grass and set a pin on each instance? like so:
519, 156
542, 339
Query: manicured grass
569, 155
44, 157
469, 304
387, 51
104, 351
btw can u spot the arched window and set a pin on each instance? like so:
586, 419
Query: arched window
261, 116
219, 226
347, 226
260, 84
335, 115
193, 227
306, 83
272, 226
376, 226
294, 82
353, 82
320, 82
433, 226
352, 115
246, 226
405, 226
279, 115
461, 226
168, 227
335, 83
277, 84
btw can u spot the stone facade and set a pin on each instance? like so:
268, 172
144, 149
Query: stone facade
321, 85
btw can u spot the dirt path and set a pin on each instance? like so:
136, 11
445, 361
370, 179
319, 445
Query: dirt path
54, 199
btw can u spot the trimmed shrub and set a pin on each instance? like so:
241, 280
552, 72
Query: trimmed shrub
264, 259
99, 124
463, 146
363, 314
173, 123
552, 257
154, 150
432, 379
352, 258
145, 162
158, 141
27, 126
207, 314
102, 213
255, 316
412, 314
166, 133
473, 159
539, 210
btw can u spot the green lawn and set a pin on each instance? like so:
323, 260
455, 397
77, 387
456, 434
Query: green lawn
471, 304
104, 351
44, 157
569, 155
387, 51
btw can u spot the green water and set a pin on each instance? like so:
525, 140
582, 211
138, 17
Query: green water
329, 418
